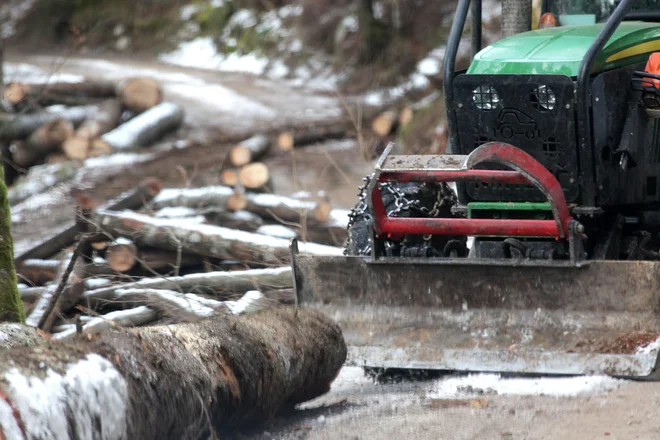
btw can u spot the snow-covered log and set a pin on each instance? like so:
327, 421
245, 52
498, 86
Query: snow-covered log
243, 220
280, 208
195, 198
144, 129
37, 272
201, 239
249, 150
16, 335
135, 317
170, 382
217, 284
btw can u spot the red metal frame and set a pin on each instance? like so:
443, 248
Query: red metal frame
525, 170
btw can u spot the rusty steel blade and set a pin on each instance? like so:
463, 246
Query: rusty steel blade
598, 318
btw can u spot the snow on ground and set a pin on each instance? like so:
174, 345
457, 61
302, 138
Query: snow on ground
11, 11
28, 73
547, 386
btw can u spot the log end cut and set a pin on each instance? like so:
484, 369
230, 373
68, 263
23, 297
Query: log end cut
285, 141
254, 176
140, 94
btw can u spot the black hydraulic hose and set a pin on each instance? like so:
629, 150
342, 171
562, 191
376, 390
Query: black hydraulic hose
585, 146
450, 67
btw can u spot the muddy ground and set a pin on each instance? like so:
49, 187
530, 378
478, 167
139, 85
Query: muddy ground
221, 106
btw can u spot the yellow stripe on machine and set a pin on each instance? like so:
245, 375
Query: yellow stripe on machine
638, 49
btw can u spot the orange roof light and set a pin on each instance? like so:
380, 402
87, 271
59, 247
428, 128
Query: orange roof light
653, 66
548, 20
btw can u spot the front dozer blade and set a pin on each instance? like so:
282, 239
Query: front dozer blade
597, 317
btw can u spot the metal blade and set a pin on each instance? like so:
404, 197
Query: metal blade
472, 315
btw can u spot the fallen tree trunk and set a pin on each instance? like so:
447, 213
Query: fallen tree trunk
14, 127
159, 382
201, 239
81, 146
39, 179
43, 141
196, 198
299, 137
242, 220
17, 92
132, 199
144, 129
218, 284
249, 150
255, 177
14, 335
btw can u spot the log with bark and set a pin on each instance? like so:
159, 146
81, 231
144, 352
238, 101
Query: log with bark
256, 177
81, 145
144, 129
302, 136
37, 272
13, 127
195, 198
286, 209
132, 199
249, 150
59, 92
43, 141
229, 177
223, 285
243, 220
202, 239
193, 380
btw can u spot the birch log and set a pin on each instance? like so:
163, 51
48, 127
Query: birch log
280, 208
196, 198
144, 129
219, 284
170, 382
202, 239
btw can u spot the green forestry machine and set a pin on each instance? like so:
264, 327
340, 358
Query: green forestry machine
544, 255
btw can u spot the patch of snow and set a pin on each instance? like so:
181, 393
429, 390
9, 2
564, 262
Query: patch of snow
350, 378
188, 304
350, 23
277, 231
175, 212
650, 348
169, 195
123, 241
224, 99
91, 399
290, 10
123, 318
301, 195
95, 283
117, 159
187, 11
278, 70
28, 73
248, 303
243, 18
11, 12
339, 217
547, 386
296, 45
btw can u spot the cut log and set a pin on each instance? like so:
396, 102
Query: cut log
132, 199
46, 139
121, 255
37, 272
255, 177
236, 370
81, 146
285, 209
385, 123
249, 150
299, 137
243, 220
14, 127
229, 177
39, 179
195, 198
223, 285
140, 94
206, 240
159, 260
144, 129
57, 93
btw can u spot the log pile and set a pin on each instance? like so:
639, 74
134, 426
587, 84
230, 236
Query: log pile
158, 255
60, 122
